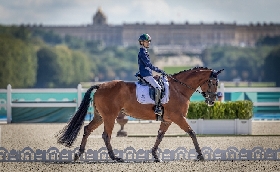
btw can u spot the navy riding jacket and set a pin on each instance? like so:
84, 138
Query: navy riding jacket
145, 65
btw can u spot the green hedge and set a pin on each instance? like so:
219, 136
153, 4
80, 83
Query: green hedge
227, 110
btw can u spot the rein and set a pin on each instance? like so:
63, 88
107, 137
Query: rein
203, 93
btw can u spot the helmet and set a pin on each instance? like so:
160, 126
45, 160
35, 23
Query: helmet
145, 37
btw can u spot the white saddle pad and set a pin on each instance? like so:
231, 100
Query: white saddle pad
143, 97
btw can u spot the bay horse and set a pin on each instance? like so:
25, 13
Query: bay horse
112, 97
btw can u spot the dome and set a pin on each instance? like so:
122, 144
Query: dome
99, 18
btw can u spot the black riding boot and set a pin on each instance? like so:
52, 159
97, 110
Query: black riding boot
158, 107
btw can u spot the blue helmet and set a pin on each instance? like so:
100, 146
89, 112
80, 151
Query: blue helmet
145, 37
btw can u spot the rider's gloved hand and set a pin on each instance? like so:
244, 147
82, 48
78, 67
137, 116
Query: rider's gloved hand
163, 73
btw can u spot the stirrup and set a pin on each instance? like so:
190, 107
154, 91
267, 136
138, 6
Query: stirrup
158, 112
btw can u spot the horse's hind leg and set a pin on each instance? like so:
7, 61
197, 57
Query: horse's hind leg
108, 128
162, 129
185, 126
96, 121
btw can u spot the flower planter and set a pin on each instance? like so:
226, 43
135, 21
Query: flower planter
221, 126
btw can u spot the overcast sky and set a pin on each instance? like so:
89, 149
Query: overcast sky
77, 12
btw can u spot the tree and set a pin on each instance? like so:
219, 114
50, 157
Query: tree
21, 32
244, 66
61, 67
269, 41
73, 42
82, 68
206, 57
65, 63
271, 67
47, 68
18, 63
245, 63
48, 36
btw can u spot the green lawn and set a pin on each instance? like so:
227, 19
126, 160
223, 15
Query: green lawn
172, 70
252, 84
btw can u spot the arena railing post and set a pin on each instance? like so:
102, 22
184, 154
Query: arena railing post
79, 92
222, 88
9, 103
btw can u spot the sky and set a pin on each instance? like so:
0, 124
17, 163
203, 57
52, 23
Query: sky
118, 12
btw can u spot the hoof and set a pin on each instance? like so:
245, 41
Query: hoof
76, 157
200, 158
157, 160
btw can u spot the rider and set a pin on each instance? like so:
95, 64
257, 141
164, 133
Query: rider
219, 96
145, 70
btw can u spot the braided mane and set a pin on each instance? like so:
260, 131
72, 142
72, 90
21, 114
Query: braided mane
195, 68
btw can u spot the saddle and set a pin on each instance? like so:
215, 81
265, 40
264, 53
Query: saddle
159, 79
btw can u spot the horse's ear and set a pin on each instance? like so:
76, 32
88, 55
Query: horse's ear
219, 71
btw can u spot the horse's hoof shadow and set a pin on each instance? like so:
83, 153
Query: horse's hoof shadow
119, 160
76, 157
200, 158
157, 160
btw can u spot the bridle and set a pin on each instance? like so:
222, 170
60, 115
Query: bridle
208, 94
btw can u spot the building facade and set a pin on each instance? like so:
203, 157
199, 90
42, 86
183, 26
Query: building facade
170, 37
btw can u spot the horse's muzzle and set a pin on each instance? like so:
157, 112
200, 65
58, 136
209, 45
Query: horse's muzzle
209, 103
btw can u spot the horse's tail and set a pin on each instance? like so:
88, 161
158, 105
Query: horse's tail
69, 133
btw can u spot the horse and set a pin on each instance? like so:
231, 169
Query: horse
114, 96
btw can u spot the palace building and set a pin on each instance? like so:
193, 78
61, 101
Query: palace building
177, 37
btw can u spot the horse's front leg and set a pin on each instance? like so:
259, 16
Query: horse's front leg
182, 122
163, 128
196, 145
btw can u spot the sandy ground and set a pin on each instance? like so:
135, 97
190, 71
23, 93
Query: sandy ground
41, 136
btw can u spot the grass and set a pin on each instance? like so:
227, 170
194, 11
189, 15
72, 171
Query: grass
247, 84
172, 70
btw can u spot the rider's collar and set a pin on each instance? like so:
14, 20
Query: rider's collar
142, 46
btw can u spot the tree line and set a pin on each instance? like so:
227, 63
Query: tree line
255, 64
43, 59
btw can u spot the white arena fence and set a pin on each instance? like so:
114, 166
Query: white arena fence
264, 99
